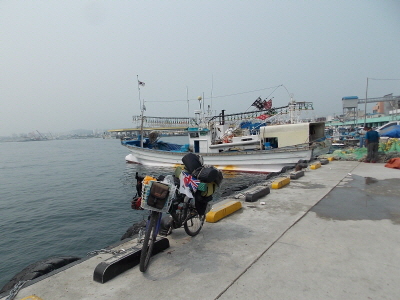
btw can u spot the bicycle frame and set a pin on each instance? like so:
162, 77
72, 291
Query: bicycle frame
179, 218
158, 222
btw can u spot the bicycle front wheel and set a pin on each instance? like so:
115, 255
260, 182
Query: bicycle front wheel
194, 222
148, 242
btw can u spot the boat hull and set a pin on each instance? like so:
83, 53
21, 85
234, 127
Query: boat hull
262, 161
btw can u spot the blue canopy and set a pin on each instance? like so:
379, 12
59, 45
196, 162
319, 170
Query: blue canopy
393, 133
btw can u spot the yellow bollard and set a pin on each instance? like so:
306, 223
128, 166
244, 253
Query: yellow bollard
315, 166
280, 182
219, 212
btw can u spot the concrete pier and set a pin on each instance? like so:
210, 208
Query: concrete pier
332, 234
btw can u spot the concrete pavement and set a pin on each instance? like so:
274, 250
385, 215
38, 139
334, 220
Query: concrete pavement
332, 234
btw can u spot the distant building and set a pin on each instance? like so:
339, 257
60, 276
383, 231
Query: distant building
389, 105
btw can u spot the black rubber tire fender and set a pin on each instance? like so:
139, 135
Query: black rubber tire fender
38, 269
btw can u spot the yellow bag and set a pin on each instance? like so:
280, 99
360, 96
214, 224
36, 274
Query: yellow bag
210, 189
147, 179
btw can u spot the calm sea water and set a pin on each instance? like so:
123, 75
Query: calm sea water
69, 197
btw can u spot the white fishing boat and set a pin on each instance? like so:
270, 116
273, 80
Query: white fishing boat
261, 148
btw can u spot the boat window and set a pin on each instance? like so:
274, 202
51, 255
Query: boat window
194, 134
203, 133
273, 142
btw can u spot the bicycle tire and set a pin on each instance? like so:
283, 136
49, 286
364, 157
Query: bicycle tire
193, 222
148, 242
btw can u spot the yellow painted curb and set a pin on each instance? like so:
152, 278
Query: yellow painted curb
221, 211
315, 166
280, 182
32, 297
331, 158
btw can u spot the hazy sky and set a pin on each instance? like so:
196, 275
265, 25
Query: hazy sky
73, 64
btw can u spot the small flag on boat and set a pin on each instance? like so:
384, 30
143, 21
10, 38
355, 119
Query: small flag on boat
263, 117
268, 104
258, 103
141, 83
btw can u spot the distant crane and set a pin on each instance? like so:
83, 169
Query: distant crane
42, 137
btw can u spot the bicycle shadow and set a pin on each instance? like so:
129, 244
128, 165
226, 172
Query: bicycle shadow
196, 255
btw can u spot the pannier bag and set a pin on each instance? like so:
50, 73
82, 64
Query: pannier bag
201, 202
158, 195
136, 202
219, 178
208, 174
192, 162
178, 171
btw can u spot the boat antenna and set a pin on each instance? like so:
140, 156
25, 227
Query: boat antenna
203, 104
212, 88
187, 99
365, 106
199, 98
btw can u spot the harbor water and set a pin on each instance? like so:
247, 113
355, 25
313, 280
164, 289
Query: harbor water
69, 197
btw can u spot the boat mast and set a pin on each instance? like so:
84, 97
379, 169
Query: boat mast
142, 109
291, 109
141, 125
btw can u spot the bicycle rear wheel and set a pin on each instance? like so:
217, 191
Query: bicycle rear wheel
148, 242
194, 222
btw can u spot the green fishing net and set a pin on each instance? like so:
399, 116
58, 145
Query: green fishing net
387, 150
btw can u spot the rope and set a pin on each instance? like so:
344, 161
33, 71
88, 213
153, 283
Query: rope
105, 251
14, 291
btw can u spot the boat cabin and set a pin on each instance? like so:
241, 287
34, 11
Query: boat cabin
199, 139
277, 136
202, 140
